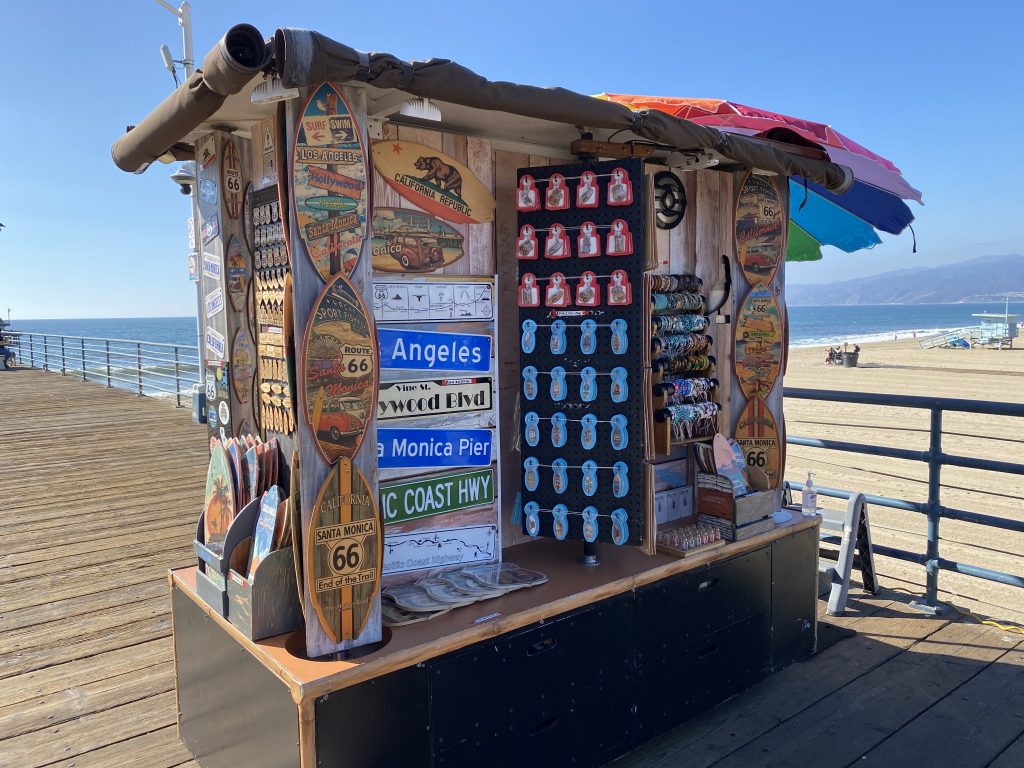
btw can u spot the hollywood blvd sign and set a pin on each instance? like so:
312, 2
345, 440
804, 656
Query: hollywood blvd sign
435, 397
412, 448
423, 497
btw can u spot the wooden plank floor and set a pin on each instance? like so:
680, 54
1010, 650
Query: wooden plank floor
101, 496
102, 493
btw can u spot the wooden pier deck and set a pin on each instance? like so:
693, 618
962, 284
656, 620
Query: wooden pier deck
101, 498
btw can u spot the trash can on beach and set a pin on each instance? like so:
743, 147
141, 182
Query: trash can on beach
850, 359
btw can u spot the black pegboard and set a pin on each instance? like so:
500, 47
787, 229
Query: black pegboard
573, 360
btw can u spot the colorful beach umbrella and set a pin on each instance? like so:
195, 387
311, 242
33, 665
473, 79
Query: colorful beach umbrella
817, 217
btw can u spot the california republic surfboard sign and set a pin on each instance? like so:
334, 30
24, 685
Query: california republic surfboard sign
433, 181
339, 370
344, 556
758, 436
760, 229
329, 184
412, 241
758, 339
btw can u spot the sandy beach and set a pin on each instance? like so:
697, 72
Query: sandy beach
902, 367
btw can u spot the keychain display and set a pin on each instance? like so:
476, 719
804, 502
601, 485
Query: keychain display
580, 250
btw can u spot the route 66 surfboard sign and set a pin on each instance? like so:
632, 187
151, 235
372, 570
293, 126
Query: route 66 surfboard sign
758, 436
760, 229
231, 180
344, 556
329, 185
339, 368
759, 340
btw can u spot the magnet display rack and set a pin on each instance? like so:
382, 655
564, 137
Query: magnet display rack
275, 398
603, 360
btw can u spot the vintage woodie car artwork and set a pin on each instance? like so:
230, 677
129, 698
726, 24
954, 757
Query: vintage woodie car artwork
243, 364
238, 274
329, 183
433, 181
344, 556
219, 508
758, 436
760, 229
412, 241
231, 180
759, 341
339, 370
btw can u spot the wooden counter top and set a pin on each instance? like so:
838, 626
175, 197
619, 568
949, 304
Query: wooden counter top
571, 585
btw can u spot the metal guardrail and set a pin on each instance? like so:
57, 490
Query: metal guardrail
146, 367
935, 459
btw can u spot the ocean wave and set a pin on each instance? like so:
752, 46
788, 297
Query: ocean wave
866, 338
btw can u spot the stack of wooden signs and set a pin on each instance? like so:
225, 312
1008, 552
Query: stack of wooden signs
434, 303
436, 594
241, 469
732, 496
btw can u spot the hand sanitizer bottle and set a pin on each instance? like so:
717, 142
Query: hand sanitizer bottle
809, 501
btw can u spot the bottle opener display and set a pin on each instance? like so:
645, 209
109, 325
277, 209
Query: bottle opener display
581, 432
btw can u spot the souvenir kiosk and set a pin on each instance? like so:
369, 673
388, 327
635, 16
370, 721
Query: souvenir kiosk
451, 323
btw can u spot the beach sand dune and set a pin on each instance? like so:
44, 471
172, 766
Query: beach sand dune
904, 368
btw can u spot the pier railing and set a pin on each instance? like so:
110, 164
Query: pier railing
145, 367
933, 509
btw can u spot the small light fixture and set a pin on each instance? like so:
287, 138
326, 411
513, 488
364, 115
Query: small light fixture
421, 109
270, 90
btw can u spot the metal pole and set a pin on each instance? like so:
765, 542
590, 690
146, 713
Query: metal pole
106, 343
185, 20
32, 349
84, 377
138, 366
46, 353
177, 379
63, 363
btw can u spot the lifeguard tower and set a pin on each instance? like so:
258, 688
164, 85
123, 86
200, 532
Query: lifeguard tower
997, 328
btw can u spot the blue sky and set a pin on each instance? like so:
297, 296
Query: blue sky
936, 87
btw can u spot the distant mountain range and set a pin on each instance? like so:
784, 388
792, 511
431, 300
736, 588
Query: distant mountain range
986, 278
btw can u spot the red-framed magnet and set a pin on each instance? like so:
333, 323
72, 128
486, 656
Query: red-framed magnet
588, 292
587, 194
556, 198
526, 245
588, 242
556, 244
620, 292
620, 188
527, 196
620, 240
529, 291
558, 293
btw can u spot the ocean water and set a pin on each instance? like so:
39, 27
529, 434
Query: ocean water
808, 326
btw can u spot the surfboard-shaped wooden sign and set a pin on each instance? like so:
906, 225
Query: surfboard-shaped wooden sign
344, 556
412, 241
243, 364
219, 509
238, 274
339, 370
758, 436
329, 183
231, 180
759, 341
433, 181
760, 229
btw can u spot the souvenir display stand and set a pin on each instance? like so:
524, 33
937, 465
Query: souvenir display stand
433, 350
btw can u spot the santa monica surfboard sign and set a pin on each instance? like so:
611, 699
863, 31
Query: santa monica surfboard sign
433, 181
433, 301
409, 349
433, 397
329, 183
231, 180
344, 553
412, 241
243, 364
339, 370
426, 448
417, 550
427, 496
758, 436
760, 229
758, 339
